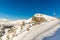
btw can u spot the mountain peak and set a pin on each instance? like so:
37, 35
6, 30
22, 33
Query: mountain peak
38, 15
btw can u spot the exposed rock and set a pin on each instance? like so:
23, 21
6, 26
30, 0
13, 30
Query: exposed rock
2, 32
7, 26
38, 19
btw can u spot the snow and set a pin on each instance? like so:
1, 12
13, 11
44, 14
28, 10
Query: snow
36, 32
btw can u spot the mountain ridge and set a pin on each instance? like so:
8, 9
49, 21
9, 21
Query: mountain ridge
25, 29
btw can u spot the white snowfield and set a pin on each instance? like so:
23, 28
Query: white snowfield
36, 32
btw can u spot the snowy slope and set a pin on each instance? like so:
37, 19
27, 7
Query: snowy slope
35, 32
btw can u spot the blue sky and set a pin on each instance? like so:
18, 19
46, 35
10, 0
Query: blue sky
19, 9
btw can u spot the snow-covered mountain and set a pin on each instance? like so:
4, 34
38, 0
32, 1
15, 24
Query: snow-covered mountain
35, 28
